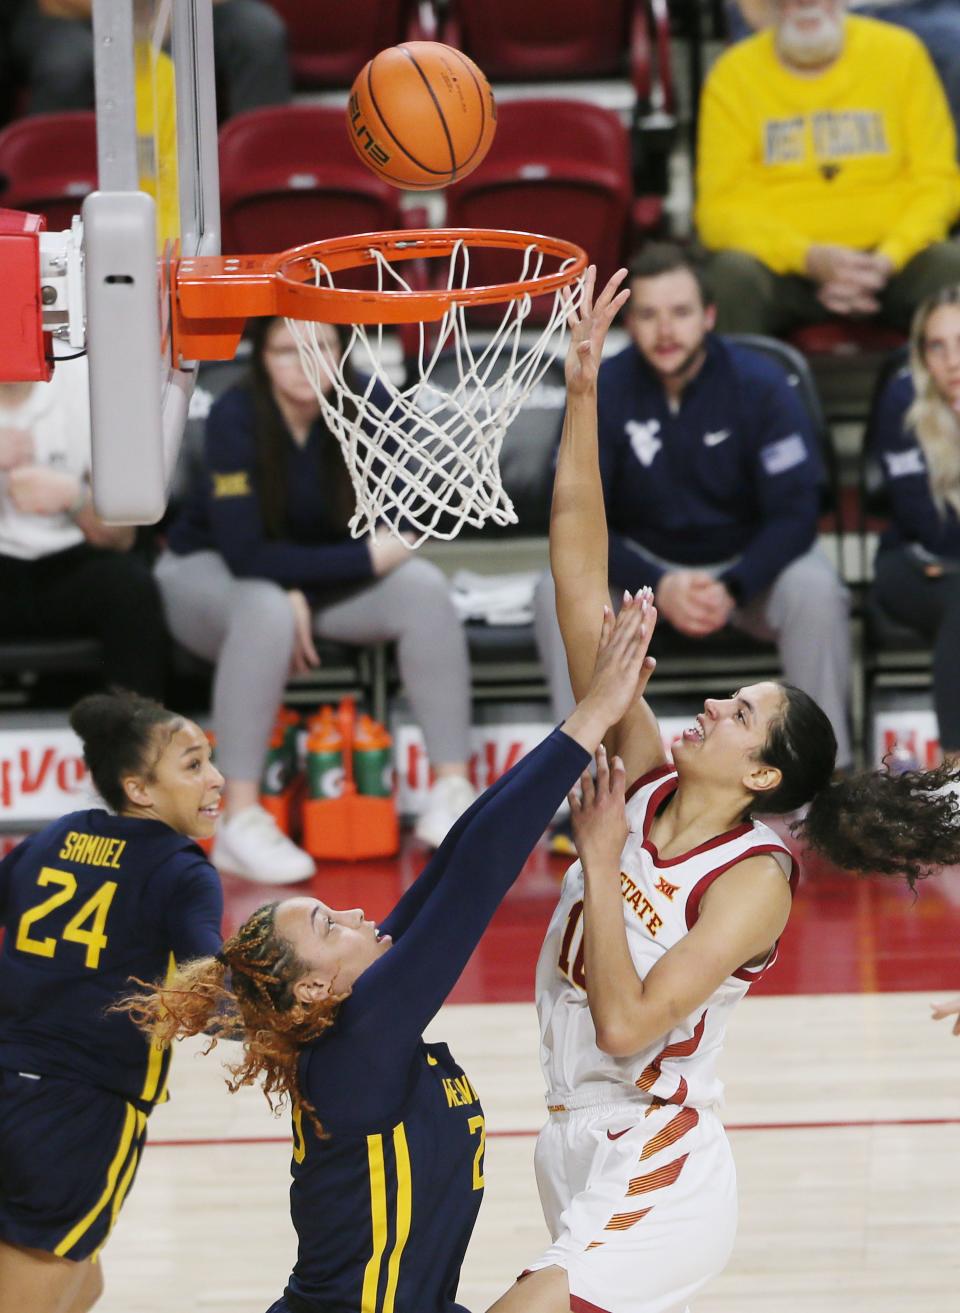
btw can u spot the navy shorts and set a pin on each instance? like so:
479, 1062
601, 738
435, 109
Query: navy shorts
68, 1156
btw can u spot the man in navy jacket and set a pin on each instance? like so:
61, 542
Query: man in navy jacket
712, 486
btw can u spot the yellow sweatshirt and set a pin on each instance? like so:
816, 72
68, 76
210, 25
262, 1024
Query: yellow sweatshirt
863, 154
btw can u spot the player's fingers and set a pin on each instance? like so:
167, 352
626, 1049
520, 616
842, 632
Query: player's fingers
586, 789
589, 282
618, 778
646, 670
573, 799
606, 629
609, 293
603, 772
571, 315
946, 1009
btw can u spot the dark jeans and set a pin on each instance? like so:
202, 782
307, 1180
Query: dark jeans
90, 592
931, 606
249, 40
751, 298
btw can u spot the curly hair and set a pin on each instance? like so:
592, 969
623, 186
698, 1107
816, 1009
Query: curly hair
245, 992
879, 823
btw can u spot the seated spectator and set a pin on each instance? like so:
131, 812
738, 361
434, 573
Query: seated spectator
916, 436
712, 492
63, 572
52, 42
827, 175
935, 22
261, 563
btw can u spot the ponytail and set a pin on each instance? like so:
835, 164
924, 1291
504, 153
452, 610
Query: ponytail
245, 992
117, 730
877, 823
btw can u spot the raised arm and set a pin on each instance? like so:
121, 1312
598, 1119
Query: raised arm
393, 1000
578, 526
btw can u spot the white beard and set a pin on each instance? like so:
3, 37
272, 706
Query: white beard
812, 47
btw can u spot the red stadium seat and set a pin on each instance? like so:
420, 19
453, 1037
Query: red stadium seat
836, 337
539, 40
330, 43
288, 175
558, 167
49, 164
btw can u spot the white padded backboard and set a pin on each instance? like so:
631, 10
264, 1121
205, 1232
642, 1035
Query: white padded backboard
158, 184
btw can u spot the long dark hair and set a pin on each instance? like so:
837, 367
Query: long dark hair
271, 435
872, 822
119, 734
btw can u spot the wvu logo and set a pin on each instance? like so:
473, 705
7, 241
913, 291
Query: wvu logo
363, 138
232, 485
665, 887
644, 442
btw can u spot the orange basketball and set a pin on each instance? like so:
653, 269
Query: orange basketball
421, 115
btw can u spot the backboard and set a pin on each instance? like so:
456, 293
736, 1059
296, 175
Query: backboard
158, 196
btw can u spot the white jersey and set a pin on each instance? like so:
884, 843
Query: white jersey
661, 901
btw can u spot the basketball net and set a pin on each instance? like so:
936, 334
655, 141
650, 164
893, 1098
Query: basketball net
425, 458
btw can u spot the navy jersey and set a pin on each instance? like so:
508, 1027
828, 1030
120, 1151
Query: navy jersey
85, 904
916, 516
732, 472
385, 1203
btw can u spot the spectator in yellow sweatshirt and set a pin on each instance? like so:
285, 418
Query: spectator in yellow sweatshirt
827, 176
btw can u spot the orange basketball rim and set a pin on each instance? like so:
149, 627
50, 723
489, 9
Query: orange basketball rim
213, 296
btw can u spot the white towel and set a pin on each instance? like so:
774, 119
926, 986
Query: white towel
497, 599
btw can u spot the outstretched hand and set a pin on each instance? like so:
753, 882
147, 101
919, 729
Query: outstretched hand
598, 815
949, 1008
588, 325
623, 668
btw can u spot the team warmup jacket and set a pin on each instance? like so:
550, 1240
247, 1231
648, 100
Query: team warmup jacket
916, 517
731, 475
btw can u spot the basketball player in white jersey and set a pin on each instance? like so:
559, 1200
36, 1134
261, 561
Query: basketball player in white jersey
674, 908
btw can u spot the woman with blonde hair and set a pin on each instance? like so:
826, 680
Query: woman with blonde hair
915, 435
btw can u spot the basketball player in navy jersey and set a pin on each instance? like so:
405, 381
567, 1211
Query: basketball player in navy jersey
85, 903
388, 1132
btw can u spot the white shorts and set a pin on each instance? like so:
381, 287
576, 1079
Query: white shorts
641, 1201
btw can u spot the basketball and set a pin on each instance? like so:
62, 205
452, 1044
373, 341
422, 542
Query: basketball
421, 115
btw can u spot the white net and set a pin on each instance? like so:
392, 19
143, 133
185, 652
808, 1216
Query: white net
424, 458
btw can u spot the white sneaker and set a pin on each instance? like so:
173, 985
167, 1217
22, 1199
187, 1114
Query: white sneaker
449, 798
250, 844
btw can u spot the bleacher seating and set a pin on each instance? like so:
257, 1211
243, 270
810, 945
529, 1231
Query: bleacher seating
542, 41
557, 165
288, 175
49, 163
330, 43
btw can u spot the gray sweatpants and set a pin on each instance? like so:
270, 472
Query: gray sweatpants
245, 628
806, 612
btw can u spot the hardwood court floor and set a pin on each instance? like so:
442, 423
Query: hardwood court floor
843, 1103
844, 1114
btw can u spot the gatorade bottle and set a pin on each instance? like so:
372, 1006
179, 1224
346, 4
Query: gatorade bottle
275, 777
290, 720
372, 760
324, 757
